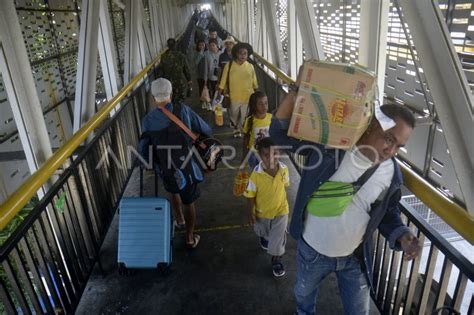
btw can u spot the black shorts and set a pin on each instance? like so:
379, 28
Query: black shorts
190, 193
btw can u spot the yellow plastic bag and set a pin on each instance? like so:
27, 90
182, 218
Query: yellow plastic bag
219, 116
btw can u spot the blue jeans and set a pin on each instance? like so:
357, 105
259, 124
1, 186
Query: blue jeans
313, 267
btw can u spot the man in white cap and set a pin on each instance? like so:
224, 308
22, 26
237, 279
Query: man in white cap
180, 178
338, 239
226, 55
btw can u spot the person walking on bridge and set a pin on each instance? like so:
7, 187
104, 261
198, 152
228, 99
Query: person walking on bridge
339, 239
226, 55
174, 67
171, 150
240, 79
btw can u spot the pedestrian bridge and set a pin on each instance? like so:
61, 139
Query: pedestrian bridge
74, 85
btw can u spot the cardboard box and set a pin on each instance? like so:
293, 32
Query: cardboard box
334, 105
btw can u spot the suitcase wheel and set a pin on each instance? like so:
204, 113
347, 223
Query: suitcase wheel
124, 271
164, 268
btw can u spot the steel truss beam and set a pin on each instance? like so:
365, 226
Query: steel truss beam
373, 39
309, 30
144, 35
273, 34
108, 59
295, 42
84, 102
135, 58
155, 25
251, 21
448, 86
20, 88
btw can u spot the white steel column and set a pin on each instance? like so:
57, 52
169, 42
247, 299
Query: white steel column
241, 18
276, 48
108, 59
20, 88
229, 10
309, 29
155, 24
134, 49
220, 13
251, 21
228, 15
144, 36
295, 42
246, 21
258, 30
170, 21
373, 38
3, 189
448, 86
157, 19
234, 18
84, 101
266, 51
237, 20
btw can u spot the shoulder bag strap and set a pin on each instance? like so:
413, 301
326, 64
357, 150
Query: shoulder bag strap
181, 125
365, 177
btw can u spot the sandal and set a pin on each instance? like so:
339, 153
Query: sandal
195, 242
179, 226
263, 243
278, 268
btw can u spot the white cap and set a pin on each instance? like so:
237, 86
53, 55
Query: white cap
161, 90
385, 121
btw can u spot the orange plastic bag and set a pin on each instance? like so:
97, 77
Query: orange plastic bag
241, 181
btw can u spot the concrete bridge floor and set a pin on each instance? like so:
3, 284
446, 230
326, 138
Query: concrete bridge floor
228, 273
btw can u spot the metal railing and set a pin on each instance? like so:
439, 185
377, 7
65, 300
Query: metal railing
46, 262
48, 259
437, 280
401, 286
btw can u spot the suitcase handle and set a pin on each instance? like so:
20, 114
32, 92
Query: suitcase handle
141, 182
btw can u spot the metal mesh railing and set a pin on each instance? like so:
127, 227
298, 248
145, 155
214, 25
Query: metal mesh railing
46, 262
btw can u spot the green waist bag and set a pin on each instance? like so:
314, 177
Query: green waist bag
332, 198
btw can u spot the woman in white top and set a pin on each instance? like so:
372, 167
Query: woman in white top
211, 70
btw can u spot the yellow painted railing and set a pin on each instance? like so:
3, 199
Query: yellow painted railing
457, 217
29, 188
453, 214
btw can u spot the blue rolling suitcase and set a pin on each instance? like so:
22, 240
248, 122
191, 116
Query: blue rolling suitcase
145, 232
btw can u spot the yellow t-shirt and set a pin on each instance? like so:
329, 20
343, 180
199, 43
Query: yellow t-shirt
243, 81
269, 192
260, 129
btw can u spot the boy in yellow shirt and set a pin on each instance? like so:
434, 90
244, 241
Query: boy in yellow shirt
267, 203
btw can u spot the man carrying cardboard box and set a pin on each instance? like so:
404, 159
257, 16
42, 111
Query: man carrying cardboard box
334, 225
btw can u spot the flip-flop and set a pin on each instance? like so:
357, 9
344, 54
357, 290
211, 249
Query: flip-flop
195, 242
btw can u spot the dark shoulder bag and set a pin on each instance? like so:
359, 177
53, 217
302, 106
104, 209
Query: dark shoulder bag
226, 102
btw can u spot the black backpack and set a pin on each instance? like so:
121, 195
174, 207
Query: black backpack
172, 156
